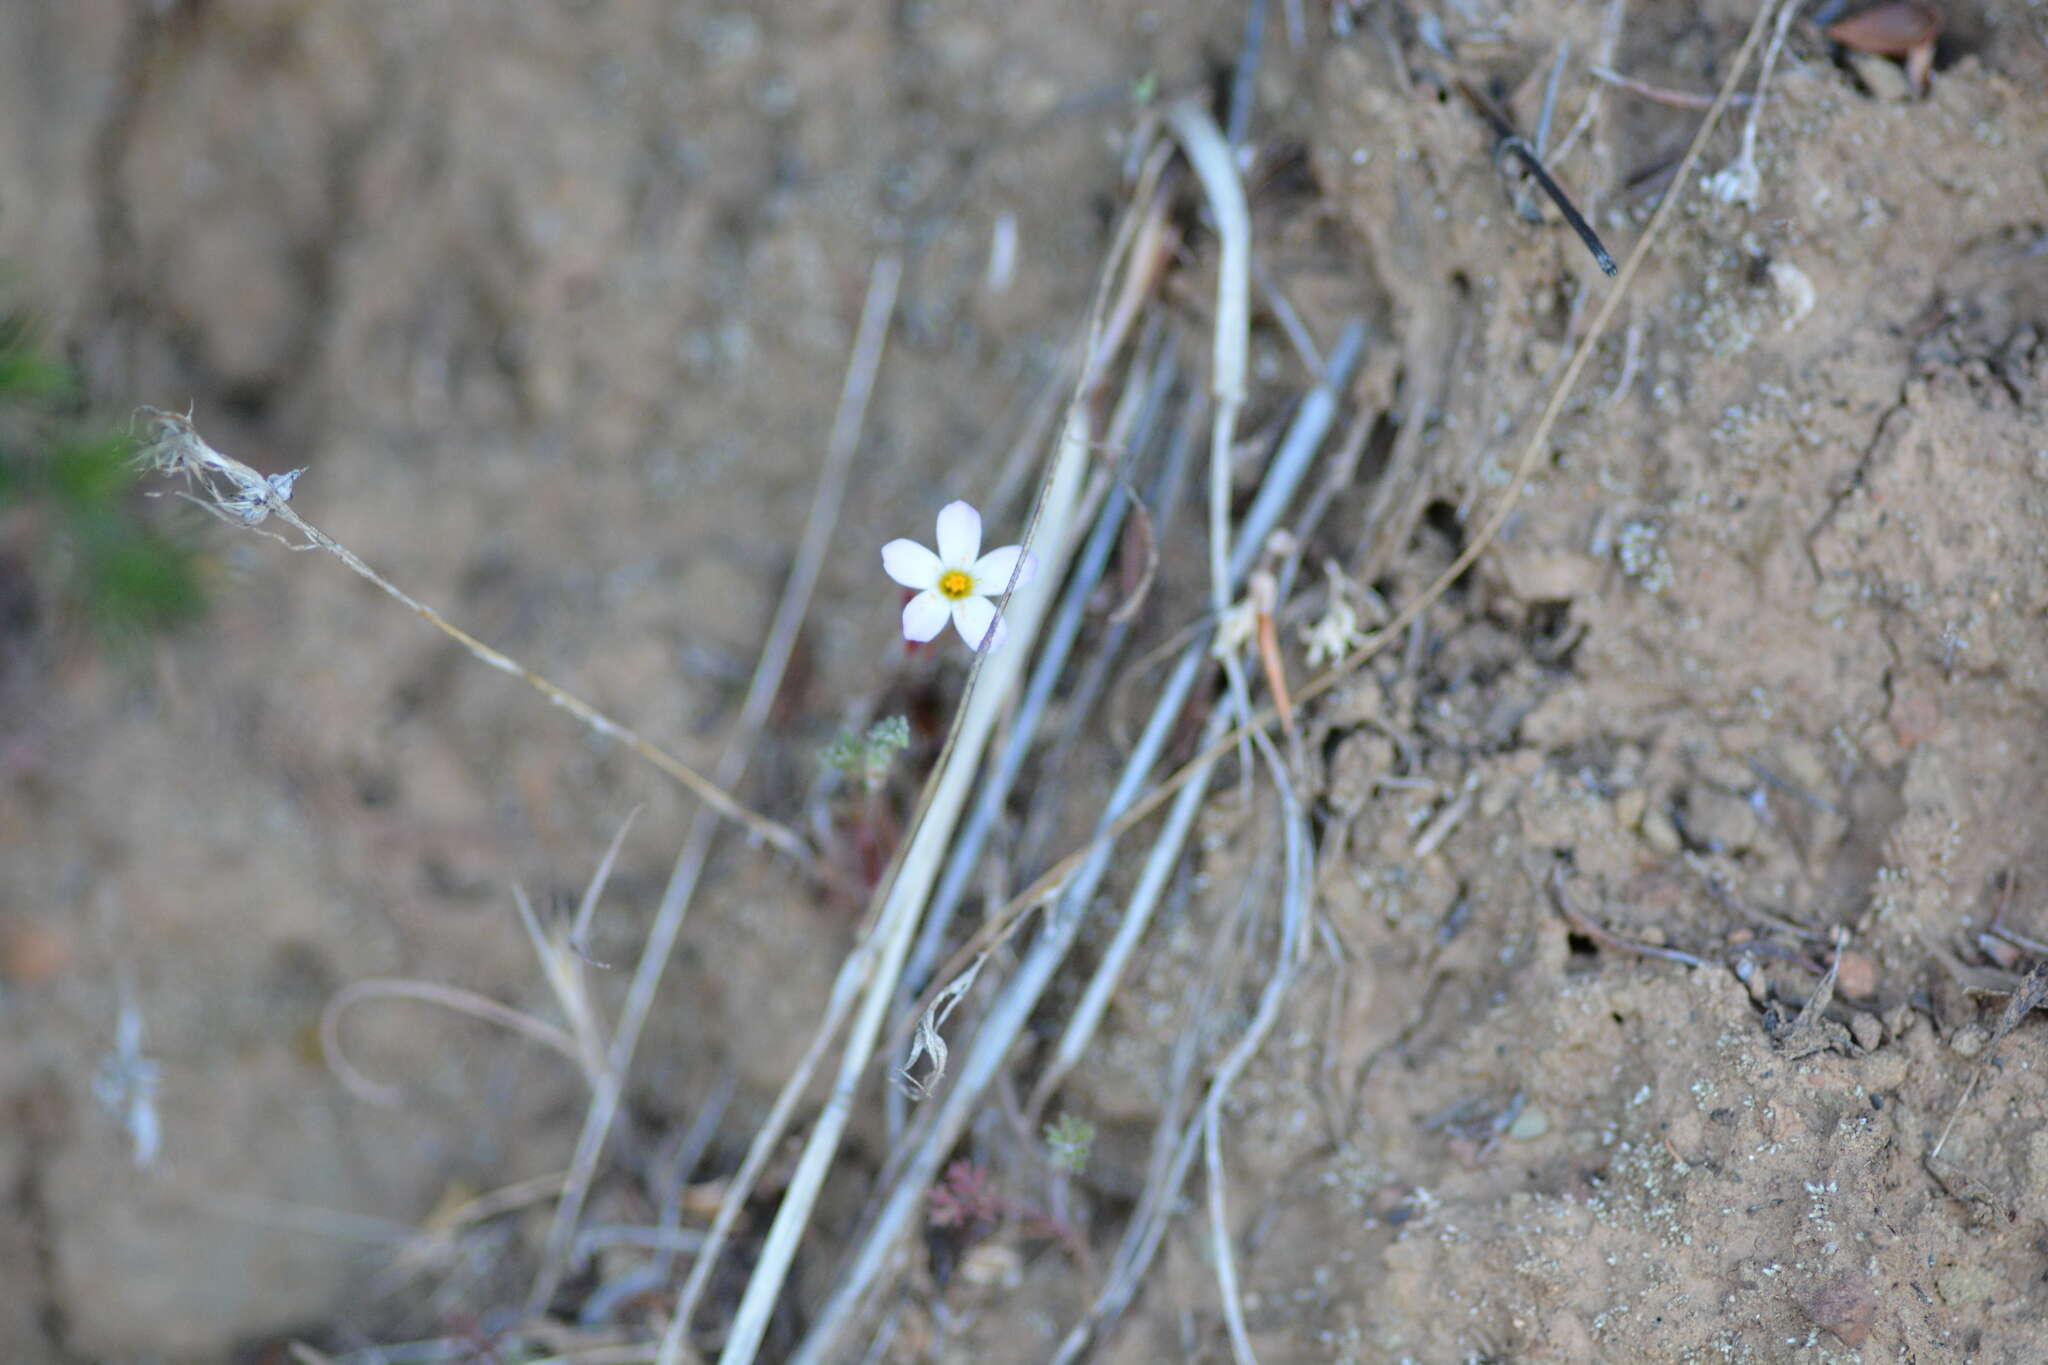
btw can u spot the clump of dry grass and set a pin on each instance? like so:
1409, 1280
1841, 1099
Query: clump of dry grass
993, 979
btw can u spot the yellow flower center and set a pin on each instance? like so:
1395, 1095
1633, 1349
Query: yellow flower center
956, 583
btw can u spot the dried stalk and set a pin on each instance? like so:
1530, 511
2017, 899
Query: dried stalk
1209, 153
240, 496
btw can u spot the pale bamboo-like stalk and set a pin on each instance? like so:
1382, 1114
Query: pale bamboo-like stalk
1209, 153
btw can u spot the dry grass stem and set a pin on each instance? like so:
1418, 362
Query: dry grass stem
1132, 425
240, 496
889, 942
1147, 1227
448, 997
1216, 168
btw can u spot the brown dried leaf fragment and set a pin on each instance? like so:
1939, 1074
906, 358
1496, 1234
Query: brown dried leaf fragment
1892, 29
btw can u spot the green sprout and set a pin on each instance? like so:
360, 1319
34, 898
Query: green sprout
74, 520
866, 758
1068, 1142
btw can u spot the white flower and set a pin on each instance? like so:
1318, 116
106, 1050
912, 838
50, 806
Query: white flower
956, 583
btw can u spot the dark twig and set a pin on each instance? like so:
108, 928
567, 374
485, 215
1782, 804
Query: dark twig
1512, 143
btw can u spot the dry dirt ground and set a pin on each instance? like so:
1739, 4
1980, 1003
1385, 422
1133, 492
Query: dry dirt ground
552, 300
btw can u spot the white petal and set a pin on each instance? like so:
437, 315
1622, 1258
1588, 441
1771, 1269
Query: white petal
910, 564
973, 616
992, 571
959, 534
924, 616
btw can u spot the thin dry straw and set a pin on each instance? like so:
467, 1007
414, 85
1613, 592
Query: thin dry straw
1294, 914
239, 495
1020, 994
1103, 659
433, 993
1216, 168
781, 640
767, 1142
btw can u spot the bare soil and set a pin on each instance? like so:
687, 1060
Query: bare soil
1673, 880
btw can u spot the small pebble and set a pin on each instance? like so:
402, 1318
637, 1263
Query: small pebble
1530, 1124
1857, 977
1659, 832
1867, 1030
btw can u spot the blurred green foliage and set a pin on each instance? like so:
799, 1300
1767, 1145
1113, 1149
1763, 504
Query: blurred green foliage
68, 513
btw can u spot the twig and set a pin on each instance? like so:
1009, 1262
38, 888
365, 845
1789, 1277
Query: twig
2028, 995
1289, 320
1104, 660
239, 495
1564, 50
1603, 54
1244, 82
1219, 1241
579, 931
1160, 863
732, 763
1608, 937
1511, 143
